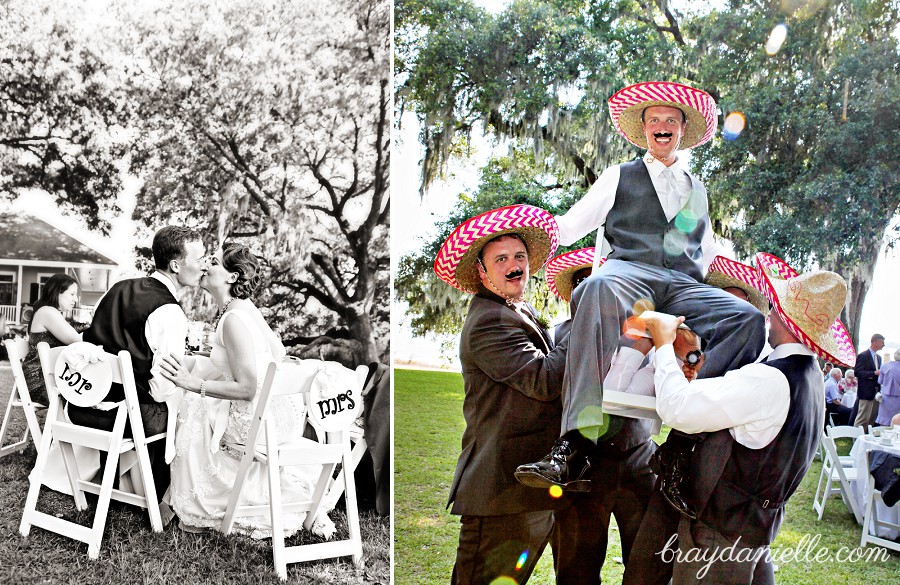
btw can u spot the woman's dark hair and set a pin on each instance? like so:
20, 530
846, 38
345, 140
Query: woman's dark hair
56, 284
238, 258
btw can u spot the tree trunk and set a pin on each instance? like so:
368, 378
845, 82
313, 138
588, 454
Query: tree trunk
859, 281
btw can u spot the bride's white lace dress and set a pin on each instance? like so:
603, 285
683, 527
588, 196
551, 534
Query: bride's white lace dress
205, 466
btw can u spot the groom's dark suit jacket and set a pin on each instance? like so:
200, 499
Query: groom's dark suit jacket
513, 378
865, 371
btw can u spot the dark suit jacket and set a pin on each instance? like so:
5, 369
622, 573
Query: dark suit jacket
865, 371
512, 408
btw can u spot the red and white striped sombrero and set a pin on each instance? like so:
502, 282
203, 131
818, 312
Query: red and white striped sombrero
456, 261
725, 273
699, 108
809, 304
561, 270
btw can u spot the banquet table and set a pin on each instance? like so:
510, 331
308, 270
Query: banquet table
859, 487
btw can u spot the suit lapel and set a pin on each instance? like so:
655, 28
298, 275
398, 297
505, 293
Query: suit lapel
531, 321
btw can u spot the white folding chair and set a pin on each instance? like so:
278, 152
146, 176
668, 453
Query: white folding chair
871, 522
837, 481
19, 397
282, 380
131, 452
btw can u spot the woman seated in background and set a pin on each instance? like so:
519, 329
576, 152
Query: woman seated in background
59, 295
847, 387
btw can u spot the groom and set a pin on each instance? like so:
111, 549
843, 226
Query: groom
142, 316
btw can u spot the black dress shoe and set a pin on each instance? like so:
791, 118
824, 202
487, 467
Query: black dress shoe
672, 494
563, 467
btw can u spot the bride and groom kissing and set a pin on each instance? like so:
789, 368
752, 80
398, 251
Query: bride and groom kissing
214, 403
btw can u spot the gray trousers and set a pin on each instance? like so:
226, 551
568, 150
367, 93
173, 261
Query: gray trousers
733, 328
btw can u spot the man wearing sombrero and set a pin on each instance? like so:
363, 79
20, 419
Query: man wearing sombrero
653, 215
513, 377
673, 456
764, 421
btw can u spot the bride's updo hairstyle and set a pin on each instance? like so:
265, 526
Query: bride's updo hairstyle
238, 258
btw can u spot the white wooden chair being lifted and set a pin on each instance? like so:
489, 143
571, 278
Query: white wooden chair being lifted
282, 380
19, 398
66, 434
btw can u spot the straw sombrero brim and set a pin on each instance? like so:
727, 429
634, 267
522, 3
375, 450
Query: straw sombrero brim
724, 273
456, 262
832, 342
699, 109
561, 270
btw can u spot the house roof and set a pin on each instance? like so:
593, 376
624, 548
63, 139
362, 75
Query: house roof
26, 238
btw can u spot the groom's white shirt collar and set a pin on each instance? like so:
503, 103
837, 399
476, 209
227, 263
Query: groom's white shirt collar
166, 281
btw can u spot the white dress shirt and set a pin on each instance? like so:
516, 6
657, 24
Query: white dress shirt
590, 212
165, 332
752, 401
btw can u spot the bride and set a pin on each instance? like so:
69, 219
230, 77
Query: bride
218, 405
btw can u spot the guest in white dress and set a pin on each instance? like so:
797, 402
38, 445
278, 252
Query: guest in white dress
218, 405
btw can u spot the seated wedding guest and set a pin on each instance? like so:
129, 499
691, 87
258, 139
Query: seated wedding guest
890, 391
216, 413
847, 387
839, 413
764, 422
512, 372
58, 295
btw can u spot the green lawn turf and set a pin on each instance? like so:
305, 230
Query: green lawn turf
428, 425
132, 553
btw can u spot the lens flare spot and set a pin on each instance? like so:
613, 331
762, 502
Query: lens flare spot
675, 242
522, 558
555, 491
591, 422
504, 580
686, 221
642, 305
734, 125
776, 39
634, 327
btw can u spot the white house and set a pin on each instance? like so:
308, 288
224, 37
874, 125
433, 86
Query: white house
31, 251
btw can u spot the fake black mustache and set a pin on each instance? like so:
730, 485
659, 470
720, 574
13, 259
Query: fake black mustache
515, 274
663, 134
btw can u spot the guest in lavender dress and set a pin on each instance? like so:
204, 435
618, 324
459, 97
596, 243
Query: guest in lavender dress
890, 391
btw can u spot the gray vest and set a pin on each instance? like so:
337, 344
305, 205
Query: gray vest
741, 491
637, 229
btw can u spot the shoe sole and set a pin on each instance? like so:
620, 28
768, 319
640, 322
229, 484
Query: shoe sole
677, 508
536, 480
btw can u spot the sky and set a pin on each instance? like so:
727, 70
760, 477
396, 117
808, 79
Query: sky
413, 219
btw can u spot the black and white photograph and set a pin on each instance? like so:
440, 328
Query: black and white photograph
195, 291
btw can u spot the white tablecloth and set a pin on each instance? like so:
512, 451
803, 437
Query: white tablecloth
858, 453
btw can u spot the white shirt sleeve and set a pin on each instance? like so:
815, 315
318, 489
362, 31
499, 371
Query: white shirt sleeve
590, 212
625, 376
166, 331
711, 248
752, 401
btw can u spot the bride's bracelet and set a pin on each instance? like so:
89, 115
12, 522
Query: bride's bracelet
202, 388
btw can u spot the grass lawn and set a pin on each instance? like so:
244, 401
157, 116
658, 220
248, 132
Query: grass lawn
428, 425
132, 553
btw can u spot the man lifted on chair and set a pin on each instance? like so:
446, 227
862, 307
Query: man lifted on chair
656, 221
764, 422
